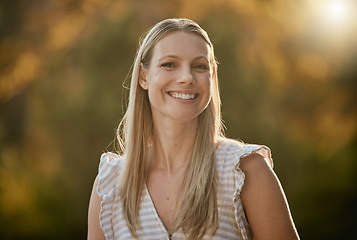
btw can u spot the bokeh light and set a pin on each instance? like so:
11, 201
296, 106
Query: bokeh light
337, 11
336, 16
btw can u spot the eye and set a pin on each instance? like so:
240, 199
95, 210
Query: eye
201, 67
168, 65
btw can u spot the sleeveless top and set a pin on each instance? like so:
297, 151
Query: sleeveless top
232, 224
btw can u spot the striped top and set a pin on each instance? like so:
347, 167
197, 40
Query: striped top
232, 220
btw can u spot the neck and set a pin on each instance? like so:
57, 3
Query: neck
172, 145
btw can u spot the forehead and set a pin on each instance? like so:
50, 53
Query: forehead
181, 44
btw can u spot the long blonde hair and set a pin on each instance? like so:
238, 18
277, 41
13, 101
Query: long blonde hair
198, 212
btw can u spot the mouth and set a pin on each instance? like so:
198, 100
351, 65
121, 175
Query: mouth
183, 95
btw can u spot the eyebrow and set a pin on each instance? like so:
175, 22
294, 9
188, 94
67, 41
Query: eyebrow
176, 57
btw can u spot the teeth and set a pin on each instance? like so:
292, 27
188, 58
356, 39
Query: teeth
183, 96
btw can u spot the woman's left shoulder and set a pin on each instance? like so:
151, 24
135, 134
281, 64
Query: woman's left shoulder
235, 151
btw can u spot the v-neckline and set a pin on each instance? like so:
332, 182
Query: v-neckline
153, 208
157, 217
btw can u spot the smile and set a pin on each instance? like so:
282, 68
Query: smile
183, 96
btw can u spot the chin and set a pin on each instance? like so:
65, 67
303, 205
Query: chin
186, 117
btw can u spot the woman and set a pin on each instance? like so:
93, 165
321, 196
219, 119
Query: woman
177, 176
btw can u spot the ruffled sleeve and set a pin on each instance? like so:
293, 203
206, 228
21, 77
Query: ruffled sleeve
239, 178
108, 174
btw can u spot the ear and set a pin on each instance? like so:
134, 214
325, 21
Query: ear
142, 77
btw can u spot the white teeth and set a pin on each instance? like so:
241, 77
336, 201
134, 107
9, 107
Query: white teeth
183, 96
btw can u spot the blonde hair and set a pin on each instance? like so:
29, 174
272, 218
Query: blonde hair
198, 213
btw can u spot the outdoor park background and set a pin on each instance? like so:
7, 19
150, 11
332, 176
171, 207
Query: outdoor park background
288, 80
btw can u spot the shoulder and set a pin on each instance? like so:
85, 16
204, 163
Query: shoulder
235, 151
258, 173
256, 162
108, 173
264, 200
110, 161
258, 170
111, 158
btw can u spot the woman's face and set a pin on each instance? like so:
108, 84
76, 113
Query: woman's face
179, 77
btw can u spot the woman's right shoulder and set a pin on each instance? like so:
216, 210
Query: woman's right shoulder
111, 158
108, 173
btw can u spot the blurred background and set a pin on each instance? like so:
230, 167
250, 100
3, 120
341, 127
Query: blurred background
288, 80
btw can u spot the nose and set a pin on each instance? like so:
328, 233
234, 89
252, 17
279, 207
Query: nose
186, 76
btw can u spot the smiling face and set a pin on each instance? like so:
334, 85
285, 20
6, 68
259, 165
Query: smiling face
179, 77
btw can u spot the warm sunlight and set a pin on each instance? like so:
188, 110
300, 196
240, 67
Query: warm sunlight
334, 21
336, 12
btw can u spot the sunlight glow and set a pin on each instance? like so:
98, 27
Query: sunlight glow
336, 12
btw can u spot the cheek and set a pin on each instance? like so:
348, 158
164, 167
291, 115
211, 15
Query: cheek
155, 88
158, 81
207, 83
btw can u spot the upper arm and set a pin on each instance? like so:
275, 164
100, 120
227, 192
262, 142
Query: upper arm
94, 230
264, 201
